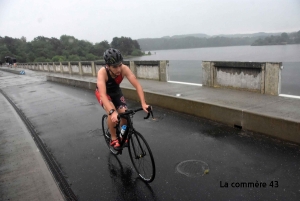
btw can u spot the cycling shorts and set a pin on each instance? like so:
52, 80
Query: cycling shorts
117, 99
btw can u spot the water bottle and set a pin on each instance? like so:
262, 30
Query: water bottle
123, 130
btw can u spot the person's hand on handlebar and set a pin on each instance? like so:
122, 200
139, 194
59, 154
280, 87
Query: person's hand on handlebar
145, 107
114, 117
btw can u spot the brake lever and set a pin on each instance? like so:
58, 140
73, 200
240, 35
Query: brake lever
149, 112
148, 115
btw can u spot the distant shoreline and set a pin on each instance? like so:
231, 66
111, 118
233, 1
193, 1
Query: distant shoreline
194, 41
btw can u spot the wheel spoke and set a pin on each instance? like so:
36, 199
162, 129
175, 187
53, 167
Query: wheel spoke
106, 134
141, 157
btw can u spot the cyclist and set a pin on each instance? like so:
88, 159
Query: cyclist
108, 91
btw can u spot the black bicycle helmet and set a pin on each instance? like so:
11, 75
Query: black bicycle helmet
112, 56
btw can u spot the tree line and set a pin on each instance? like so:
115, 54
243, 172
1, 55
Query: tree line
283, 39
185, 42
66, 48
193, 42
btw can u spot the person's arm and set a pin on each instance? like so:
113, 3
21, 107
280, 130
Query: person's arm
102, 89
135, 83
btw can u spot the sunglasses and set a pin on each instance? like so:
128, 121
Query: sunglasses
117, 65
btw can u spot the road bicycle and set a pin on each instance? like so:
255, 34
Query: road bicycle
139, 150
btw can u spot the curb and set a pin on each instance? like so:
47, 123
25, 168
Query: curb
62, 184
18, 72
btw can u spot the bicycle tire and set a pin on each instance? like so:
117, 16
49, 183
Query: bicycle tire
141, 157
106, 135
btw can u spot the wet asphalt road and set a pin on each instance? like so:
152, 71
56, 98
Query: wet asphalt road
68, 120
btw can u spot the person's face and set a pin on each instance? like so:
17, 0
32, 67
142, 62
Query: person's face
116, 69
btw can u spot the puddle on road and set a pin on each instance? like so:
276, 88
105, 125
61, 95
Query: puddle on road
193, 168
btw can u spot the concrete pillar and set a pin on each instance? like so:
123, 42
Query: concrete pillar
262, 83
61, 68
132, 67
70, 69
163, 71
207, 74
80, 69
93, 69
273, 78
54, 67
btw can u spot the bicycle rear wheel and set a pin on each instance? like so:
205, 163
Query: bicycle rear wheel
141, 157
106, 135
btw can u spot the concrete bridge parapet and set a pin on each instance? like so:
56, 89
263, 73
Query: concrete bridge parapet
152, 70
261, 77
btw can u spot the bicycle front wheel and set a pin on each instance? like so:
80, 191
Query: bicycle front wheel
106, 134
141, 157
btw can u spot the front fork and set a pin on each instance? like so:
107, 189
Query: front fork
138, 155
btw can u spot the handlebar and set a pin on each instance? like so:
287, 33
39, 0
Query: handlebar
128, 112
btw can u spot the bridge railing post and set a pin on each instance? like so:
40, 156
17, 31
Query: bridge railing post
80, 68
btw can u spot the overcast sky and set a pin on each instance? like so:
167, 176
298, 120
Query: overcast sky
98, 20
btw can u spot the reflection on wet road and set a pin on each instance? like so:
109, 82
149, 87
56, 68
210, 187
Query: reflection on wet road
68, 120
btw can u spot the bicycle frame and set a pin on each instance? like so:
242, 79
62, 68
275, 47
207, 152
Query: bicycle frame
127, 133
139, 150
128, 114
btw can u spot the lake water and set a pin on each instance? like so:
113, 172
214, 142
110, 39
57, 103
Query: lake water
185, 64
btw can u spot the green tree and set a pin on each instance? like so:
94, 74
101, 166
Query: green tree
137, 52
56, 46
284, 37
84, 47
90, 57
30, 57
4, 52
70, 44
58, 58
40, 59
66, 48
297, 37
74, 58
125, 45
23, 39
99, 48
43, 47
